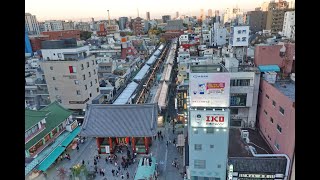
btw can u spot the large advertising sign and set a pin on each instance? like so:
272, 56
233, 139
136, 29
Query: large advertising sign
202, 118
209, 89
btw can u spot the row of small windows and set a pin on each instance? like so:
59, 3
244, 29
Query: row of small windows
198, 147
281, 110
79, 92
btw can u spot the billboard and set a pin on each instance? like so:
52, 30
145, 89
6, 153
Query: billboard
202, 118
209, 89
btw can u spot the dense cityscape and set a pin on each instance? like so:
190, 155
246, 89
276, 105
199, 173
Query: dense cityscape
185, 97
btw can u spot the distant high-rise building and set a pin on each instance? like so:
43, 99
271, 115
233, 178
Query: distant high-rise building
31, 24
53, 25
148, 16
257, 20
177, 14
138, 27
122, 22
210, 12
166, 18
202, 15
216, 13
289, 25
275, 16
264, 6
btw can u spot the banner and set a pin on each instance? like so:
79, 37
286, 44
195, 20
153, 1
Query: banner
209, 89
202, 118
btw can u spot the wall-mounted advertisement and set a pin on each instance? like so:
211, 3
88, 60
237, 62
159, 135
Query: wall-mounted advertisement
209, 89
202, 118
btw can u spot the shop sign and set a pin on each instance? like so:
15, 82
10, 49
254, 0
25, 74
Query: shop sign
257, 176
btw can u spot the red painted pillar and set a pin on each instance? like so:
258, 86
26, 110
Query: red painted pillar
127, 140
98, 144
133, 142
110, 145
146, 144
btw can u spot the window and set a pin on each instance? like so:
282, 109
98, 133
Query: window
273, 103
85, 87
265, 112
96, 81
271, 119
53, 78
88, 64
72, 69
244, 31
220, 36
199, 164
211, 146
238, 39
239, 31
97, 89
94, 71
244, 38
51, 67
238, 99
234, 111
210, 130
89, 74
279, 128
55, 88
277, 145
59, 55
219, 166
198, 147
267, 96
281, 110
90, 83
240, 82
76, 82
82, 68
90, 95
84, 77
78, 92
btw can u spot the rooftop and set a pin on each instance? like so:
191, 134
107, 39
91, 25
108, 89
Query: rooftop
32, 117
57, 115
237, 146
214, 68
287, 88
109, 120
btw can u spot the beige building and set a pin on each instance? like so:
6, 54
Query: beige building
72, 82
275, 16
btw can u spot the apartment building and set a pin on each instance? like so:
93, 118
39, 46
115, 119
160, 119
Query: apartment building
71, 75
31, 24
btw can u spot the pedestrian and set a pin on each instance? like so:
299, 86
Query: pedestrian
122, 176
118, 168
167, 143
112, 171
100, 171
78, 148
103, 170
96, 169
83, 162
127, 175
115, 164
106, 160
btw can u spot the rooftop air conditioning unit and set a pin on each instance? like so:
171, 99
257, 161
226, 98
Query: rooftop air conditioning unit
244, 134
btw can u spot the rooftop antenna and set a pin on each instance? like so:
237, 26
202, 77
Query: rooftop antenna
138, 12
109, 17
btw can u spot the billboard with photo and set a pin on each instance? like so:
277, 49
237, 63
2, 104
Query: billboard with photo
209, 89
209, 118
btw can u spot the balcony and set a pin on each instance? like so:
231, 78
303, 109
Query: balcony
30, 94
34, 134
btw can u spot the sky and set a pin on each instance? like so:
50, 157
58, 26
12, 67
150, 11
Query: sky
85, 9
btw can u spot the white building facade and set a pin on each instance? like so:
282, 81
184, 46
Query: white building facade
218, 35
239, 36
53, 25
289, 25
31, 24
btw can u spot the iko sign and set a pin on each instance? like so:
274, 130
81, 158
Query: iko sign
209, 89
201, 118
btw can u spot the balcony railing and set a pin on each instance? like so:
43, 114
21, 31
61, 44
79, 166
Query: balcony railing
34, 134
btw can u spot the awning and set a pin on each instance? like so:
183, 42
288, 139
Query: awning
44, 165
266, 68
70, 137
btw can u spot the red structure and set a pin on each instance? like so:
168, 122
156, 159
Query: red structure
102, 33
101, 27
57, 35
36, 41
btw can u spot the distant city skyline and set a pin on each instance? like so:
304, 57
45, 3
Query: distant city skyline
84, 10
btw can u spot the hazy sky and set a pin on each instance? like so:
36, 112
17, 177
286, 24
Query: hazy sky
85, 9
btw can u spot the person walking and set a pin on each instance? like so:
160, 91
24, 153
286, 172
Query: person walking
112, 171
127, 175
77, 148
